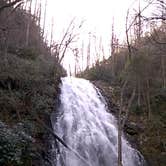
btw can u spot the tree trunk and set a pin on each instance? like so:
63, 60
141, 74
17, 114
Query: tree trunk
120, 125
52, 31
44, 21
120, 138
35, 10
148, 100
128, 107
88, 53
5, 48
28, 25
163, 70
82, 56
139, 93
113, 50
127, 37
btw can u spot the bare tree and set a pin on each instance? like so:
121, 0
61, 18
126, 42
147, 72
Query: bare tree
76, 56
89, 51
82, 56
127, 36
113, 49
28, 24
156, 35
133, 22
35, 9
44, 20
124, 108
68, 38
52, 29
120, 125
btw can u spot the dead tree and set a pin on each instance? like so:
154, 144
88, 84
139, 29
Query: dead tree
113, 49
28, 24
129, 26
52, 29
127, 36
120, 125
155, 37
44, 21
82, 56
35, 10
124, 108
68, 38
89, 51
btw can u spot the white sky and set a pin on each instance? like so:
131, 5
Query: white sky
98, 15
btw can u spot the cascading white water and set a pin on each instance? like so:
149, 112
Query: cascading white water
83, 123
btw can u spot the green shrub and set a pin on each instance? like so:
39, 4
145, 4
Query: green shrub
15, 145
27, 53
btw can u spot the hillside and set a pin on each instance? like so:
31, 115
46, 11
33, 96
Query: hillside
137, 86
29, 80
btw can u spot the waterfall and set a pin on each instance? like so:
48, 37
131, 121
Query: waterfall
84, 125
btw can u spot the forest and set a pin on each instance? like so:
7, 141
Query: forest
131, 76
29, 78
136, 72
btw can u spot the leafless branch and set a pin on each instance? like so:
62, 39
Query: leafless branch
154, 18
60, 140
67, 39
127, 36
139, 14
10, 4
154, 38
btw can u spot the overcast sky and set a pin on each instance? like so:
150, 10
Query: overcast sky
98, 16
97, 13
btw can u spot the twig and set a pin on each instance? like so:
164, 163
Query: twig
7, 5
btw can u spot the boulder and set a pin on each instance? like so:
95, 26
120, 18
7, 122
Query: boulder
132, 128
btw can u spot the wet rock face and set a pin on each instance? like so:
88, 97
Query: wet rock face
132, 132
132, 128
107, 92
